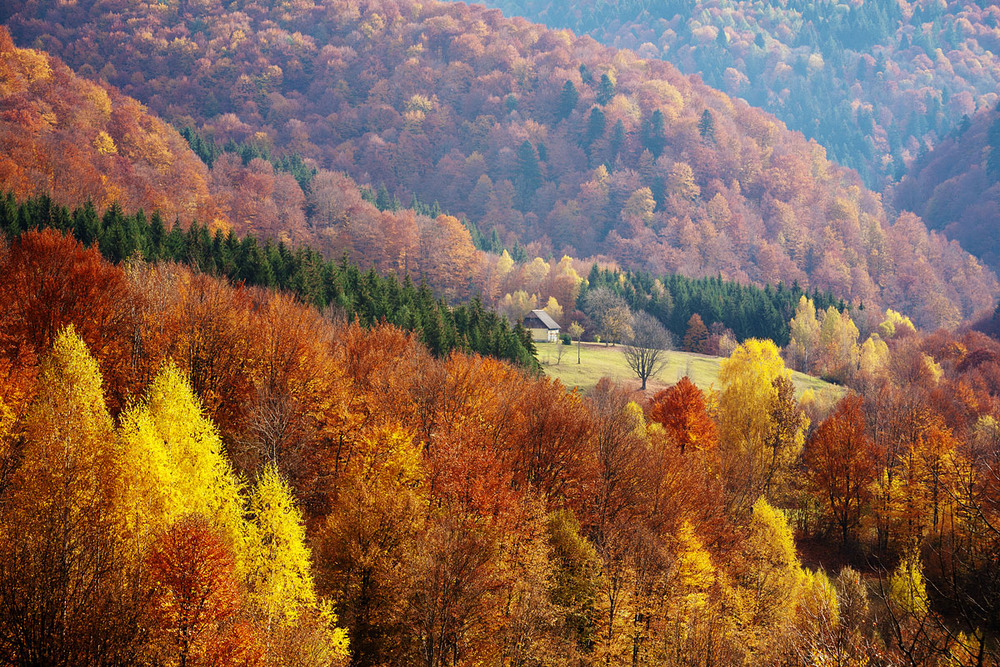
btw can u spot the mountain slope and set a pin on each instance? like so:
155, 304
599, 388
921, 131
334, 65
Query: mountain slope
874, 82
75, 140
629, 159
956, 187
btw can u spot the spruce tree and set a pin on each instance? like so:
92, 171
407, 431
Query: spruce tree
567, 100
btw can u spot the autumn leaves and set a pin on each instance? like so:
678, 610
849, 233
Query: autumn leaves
141, 540
191, 472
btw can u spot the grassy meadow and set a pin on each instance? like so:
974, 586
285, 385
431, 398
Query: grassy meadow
598, 360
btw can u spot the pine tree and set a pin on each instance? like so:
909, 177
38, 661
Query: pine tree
567, 100
529, 175
606, 89
595, 126
654, 133
617, 144
706, 126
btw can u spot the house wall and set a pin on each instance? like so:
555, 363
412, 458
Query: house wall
544, 335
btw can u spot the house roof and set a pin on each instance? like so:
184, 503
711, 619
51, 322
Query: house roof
544, 318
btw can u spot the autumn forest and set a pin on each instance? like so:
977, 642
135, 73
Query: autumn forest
269, 396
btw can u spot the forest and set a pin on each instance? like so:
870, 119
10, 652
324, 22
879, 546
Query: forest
325, 490
877, 83
744, 311
740, 311
340, 289
264, 395
954, 186
550, 141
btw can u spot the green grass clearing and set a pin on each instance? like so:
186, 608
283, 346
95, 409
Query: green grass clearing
597, 361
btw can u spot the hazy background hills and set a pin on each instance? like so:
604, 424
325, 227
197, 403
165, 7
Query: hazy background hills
535, 135
876, 83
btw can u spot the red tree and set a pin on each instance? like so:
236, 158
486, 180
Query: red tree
682, 412
842, 464
198, 597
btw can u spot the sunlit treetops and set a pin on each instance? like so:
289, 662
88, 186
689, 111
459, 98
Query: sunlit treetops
322, 488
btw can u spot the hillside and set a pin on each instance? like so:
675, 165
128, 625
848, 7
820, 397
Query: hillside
544, 138
75, 140
955, 187
325, 494
873, 82
287, 433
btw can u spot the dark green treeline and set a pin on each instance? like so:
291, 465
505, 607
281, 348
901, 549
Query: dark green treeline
747, 310
341, 286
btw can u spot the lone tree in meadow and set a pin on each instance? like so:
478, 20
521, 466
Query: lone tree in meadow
646, 349
610, 313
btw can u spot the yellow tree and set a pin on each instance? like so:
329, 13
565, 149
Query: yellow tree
279, 580
768, 579
151, 494
803, 336
517, 305
873, 356
692, 610
554, 310
64, 571
787, 436
279, 577
759, 433
895, 324
913, 627
817, 619
838, 342
181, 468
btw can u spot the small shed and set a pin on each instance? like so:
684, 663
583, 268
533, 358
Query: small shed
543, 328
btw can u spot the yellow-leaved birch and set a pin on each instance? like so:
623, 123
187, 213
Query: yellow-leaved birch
179, 463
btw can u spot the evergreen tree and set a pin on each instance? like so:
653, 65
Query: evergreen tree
567, 100
654, 134
706, 126
617, 143
529, 176
595, 126
606, 89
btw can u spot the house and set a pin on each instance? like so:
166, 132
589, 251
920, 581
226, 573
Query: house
542, 327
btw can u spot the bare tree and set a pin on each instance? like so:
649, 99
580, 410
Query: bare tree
645, 351
576, 331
